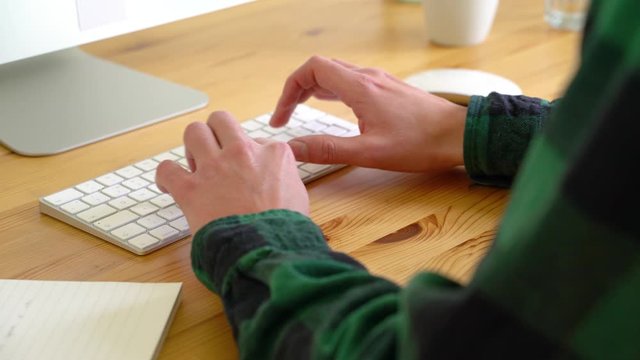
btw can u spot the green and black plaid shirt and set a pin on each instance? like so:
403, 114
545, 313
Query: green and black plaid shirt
561, 281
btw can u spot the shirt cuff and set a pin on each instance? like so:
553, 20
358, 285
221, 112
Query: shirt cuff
498, 131
218, 246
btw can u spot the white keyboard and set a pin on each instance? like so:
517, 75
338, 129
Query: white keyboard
126, 208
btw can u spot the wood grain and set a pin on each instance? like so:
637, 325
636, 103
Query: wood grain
394, 223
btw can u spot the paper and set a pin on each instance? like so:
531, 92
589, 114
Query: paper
84, 320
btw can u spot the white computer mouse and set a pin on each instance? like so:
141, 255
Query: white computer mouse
458, 85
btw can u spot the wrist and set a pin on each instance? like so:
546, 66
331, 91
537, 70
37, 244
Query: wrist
453, 123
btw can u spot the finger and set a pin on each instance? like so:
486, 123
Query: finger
263, 141
317, 73
190, 160
346, 64
199, 142
171, 178
325, 95
369, 71
225, 128
318, 93
327, 149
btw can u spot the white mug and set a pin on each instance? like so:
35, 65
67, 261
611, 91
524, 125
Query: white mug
459, 22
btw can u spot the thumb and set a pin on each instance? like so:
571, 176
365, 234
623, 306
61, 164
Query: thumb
327, 149
171, 178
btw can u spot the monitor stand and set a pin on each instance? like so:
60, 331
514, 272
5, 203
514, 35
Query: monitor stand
59, 101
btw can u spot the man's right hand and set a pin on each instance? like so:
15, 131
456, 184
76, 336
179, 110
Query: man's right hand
402, 128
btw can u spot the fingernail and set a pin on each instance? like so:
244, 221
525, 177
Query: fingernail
300, 149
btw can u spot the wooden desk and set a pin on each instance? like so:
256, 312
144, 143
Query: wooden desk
395, 223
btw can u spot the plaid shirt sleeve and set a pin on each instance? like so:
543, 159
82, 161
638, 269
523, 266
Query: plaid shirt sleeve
562, 280
498, 131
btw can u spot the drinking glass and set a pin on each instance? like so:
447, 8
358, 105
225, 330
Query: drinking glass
566, 14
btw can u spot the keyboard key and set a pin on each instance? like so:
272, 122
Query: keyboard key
147, 165
75, 206
179, 151
143, 241
150, 176
163, 200
144, 208
331, 120
128, 231
274, 131
282, 137
164, 232
165, 156
335, 130
115, 220
143, 195
116, 191
89, 187
306, 114
263, 119
109, 179
180, 224
129, 172
63, 196
251, 125
170, 213
299, 131
122, 202
136, 183
259, 134
96, 213
314, 168
314, 126
96, 198
152, 221
293, 122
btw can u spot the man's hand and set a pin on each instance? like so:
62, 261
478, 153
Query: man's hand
231, 174
402, 128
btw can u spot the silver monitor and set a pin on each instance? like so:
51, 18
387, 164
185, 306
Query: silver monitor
54, 97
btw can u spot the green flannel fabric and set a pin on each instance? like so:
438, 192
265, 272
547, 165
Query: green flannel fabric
562, 280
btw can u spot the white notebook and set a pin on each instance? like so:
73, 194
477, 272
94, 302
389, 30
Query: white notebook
84, 320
